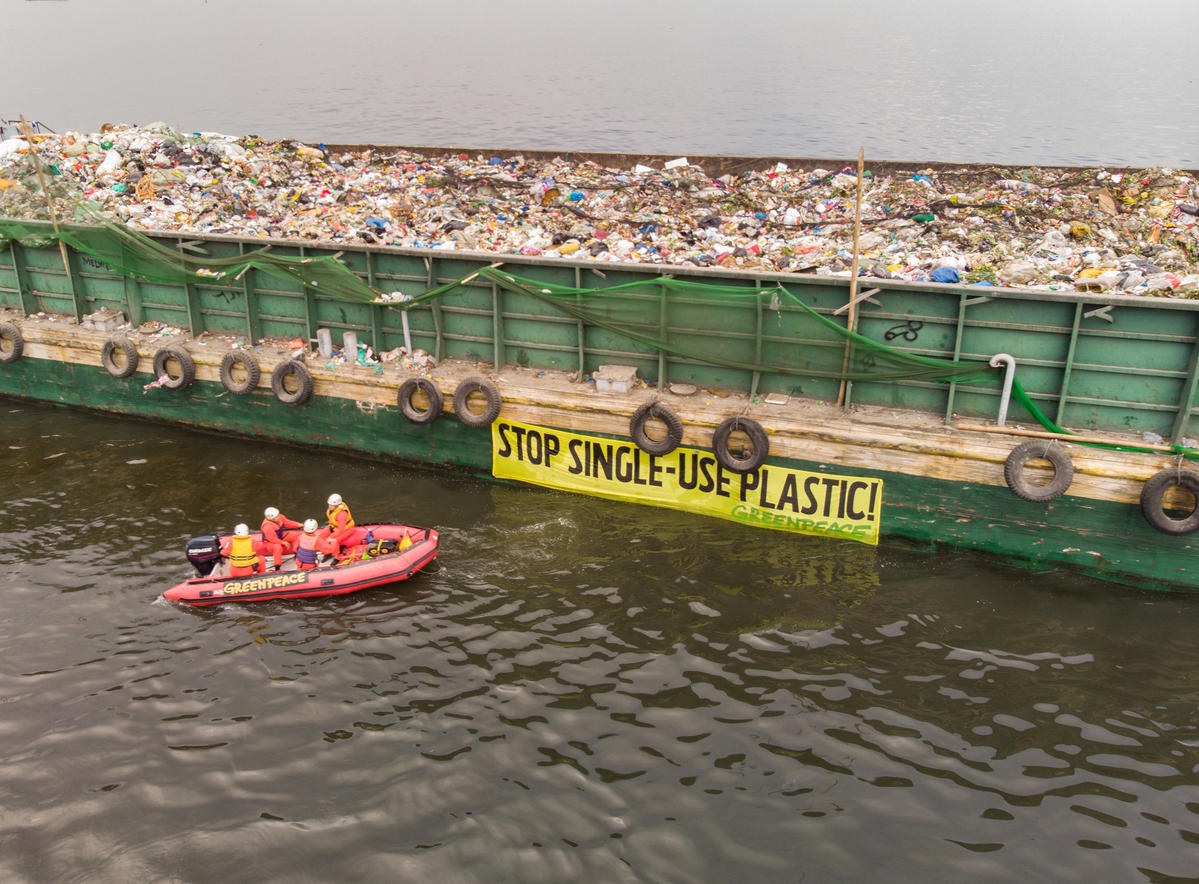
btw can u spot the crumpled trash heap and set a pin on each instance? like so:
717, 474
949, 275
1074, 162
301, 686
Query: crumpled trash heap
1128, 231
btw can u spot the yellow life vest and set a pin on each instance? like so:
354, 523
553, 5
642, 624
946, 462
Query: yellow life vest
241, 552
331, 512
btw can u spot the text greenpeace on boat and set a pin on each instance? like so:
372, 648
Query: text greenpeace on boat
689, 479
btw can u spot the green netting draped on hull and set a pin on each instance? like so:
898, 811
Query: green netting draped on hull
817, 347
1020, 395
136, 255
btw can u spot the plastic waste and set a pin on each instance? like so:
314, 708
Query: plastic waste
1033, 227
1023, 186
1020, 272
112, 162
13, 146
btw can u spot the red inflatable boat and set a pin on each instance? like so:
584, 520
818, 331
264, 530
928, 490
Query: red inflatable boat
383, 554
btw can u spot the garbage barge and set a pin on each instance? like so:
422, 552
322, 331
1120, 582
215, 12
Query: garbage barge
1048, 428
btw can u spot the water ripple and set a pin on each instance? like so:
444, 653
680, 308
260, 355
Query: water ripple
715, 705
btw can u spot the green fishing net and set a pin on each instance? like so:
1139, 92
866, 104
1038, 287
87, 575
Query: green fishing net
134, 254
799, 341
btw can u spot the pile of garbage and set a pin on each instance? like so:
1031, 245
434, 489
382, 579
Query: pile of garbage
1126, 231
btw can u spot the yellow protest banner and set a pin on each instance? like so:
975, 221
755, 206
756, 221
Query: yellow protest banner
688, 479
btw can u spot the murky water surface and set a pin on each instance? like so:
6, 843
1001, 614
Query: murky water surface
578, 690
1025, 82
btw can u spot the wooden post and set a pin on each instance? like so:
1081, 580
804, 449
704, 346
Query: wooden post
853, 275
27, 133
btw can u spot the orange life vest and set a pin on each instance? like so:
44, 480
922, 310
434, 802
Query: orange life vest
331, 515
241, 552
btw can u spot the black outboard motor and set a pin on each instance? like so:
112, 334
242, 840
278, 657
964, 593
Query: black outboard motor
204, 551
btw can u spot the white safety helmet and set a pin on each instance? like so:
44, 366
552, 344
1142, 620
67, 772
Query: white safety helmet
309, 526
271, 513
334, 500
242, 530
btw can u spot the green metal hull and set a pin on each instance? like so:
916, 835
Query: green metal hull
1090, 361
322, 422
1093, 363
1102, 539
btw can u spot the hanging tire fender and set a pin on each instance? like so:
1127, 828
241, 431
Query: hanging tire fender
468, 388
1153, 501
187, 368
249, 365
757, 437
409, 409
656, 410
1059, 459
119, 357
12, 342
285, 371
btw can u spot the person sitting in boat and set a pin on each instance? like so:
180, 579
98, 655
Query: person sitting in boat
244, 558
311, 545
273, 541
341, 524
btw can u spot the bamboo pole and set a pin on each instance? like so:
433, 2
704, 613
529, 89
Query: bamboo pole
27, 133
1065, 437
853, 275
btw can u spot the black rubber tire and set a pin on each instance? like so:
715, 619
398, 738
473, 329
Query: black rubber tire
10, 333
187, 368
757, 438
410, 411
462, 396
249, 361
656, 411
1154, 492
1063, 471
129, 358
285, 370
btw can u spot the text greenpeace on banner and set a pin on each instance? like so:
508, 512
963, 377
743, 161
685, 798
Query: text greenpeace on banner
689, 479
